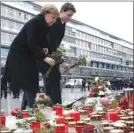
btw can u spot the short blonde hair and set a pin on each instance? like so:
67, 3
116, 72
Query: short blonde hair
49, 8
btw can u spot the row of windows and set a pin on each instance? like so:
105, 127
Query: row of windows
11, 25
103, 42
81, 44
110, 66
7, 38
111, 58
69, 31
102, 65
106, 57
105, 50
69, 39
29, 5
15, 14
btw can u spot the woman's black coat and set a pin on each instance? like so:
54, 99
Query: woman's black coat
24, 51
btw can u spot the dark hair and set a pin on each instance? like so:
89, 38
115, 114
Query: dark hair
68, 6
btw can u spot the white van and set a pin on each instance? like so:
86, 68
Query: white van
73, 83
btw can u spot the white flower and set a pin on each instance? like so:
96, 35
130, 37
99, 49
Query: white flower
88, 59
99, 87
108, 92
106, 89
101, 93
66, 47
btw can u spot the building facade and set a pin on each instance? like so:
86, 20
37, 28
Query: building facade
110, 55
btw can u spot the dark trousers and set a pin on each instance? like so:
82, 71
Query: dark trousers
53, 87
15, 89
83, 88
3, 88
4, 91
28, 100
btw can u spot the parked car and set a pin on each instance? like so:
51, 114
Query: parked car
73, 83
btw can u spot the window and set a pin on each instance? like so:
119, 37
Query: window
82, 34
4, 52
78, 33
10, 24
6, 10
19, 14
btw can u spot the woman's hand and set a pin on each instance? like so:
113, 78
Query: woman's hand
50, 61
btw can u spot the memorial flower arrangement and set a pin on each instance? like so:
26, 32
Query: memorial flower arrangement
43, 100
101, 90
17, 113
46, 127
58, 57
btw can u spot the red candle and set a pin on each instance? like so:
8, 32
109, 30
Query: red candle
79, 129
25, 114
60, 128
75, 115
113, 116
36, 111
2, 120
59, 110
60, 120
35, 125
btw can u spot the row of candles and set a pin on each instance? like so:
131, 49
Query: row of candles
113, 116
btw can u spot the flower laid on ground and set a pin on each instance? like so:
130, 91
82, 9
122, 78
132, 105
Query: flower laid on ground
43, 100
100, 91
17, 113
81, 61
58, 57
40, 117
25, 124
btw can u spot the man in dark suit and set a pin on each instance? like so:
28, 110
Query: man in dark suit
55, 36
25, 50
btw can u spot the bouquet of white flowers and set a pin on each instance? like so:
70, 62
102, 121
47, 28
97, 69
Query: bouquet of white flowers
58, 57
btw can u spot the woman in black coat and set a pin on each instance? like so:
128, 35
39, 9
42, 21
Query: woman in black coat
26, 49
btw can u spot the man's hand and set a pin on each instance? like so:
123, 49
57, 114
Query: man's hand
65, 66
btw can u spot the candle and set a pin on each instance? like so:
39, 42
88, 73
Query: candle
88, 129
79, 129
59, 110
36, 111
75, 115
25, 114
60, 120
113, 116
2, 120
79, 126
60, 128
35, 125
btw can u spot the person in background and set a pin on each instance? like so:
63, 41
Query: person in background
89, 84
55, 36
83, 85
3, 84
25, 50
